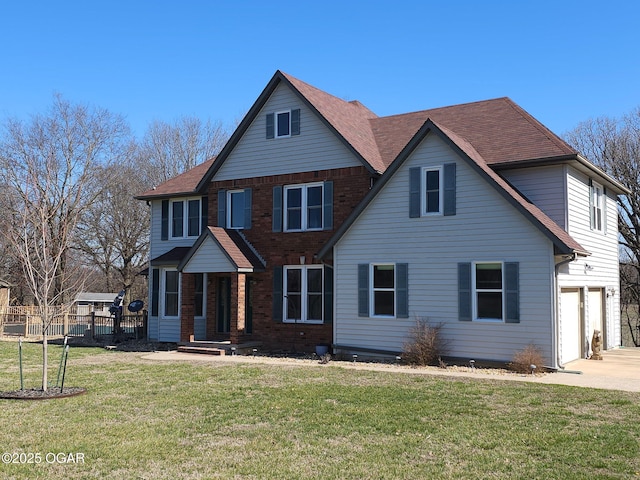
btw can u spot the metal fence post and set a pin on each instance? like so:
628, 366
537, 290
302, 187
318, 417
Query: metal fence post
93, 325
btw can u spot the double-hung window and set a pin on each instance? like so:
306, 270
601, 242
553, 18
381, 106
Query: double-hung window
303, 294
235, 209
303, 207
186, 218
283, 124
597, 206
488, 291
171, 293
383, 290
433, 191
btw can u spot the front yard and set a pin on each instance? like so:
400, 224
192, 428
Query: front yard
146, 420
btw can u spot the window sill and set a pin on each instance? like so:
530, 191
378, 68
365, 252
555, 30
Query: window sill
300, 322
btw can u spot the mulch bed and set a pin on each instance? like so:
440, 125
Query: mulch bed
39, 394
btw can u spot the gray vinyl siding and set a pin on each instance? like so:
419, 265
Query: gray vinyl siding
544, 186
485, 228
169, 330
163, 329
152, 328
158, 246
209, 258
257, 156
600, 269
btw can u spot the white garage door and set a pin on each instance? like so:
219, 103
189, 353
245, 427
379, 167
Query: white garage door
570, 325
595, 313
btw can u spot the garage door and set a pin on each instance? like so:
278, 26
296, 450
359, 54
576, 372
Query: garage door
596, 318
570, 325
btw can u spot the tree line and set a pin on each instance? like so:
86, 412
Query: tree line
69, 221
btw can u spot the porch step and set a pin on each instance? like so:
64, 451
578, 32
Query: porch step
202, 350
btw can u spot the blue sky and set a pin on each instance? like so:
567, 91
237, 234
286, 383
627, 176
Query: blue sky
563, 61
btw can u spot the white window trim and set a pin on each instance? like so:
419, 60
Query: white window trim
304, 217
475, 292
423, 190
303, 294
275, 124
599, 203
372, 290
163, 293
185, 217
230, 194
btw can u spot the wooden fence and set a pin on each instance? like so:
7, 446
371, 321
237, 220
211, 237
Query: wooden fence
26, 322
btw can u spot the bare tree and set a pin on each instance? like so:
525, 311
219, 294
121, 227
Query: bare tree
171, 149
614, 145
48, 166
113, 232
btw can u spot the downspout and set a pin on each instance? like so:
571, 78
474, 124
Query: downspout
556, 305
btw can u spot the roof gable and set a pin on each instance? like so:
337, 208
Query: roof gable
563, 242
230, 246
338, 115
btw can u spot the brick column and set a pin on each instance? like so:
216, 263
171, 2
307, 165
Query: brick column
238, 289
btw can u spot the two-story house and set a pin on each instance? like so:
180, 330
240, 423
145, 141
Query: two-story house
294, 169
322, 222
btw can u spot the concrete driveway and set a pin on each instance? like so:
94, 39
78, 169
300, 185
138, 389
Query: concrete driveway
619, 370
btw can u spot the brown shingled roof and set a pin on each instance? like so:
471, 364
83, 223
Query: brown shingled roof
498, 129
183, 184
350, 119
233, 244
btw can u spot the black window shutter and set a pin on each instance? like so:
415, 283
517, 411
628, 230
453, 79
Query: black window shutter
277, 294
414, 192
449, 189
512, 292
277, 209
155, 291
270, 125
295, 122
222, 208
247, 209
402, 290
464, 292
363, 290
205, 213
328, 294
164, 228
328, 205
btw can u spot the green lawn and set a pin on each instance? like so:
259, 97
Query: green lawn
144, 420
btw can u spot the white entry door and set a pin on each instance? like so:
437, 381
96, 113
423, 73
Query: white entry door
570, 325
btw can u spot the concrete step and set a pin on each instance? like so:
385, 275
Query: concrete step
201, 350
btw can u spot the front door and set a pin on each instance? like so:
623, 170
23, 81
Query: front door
223, 310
